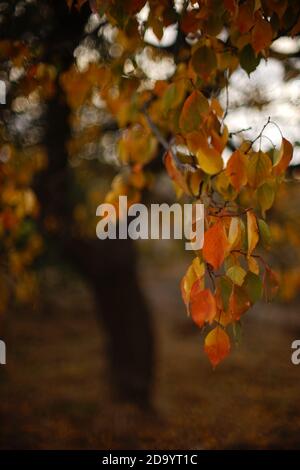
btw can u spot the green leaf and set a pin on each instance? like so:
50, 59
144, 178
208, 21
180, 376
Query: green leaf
237, 331
265, 233
204, 61
225, 286
173, 96
266, 196
248, 59
259, 169
253, 287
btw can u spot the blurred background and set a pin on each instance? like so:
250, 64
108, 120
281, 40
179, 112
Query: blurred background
100, 352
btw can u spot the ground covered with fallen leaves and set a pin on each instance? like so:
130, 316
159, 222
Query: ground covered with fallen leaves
54, 392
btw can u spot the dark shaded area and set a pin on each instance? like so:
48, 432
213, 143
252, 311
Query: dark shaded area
110, 268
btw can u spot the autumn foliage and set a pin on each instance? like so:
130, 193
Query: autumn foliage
180, 120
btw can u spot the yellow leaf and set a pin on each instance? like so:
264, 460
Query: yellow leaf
252, 232
195, 271
234, 234
253, 265
236, 274
209, 160
223, 186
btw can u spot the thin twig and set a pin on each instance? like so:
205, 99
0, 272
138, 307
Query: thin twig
164, 143
240, 131
253, 256
259, 135
268, 138
156, 132
276, 125
210, 273
227, 100
230, 214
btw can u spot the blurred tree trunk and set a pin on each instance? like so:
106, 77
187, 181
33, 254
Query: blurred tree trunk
110, 265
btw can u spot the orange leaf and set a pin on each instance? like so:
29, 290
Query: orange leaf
217, 345
245, 19
252, 231
296, 29
219, 141
78, 4
134, 6
231, 6
195, 140
261, 35
278, 6
284, 157
190, 21
239, 303
215, 244
194, 109
236, 169
225, 318
202, 304
216, 107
